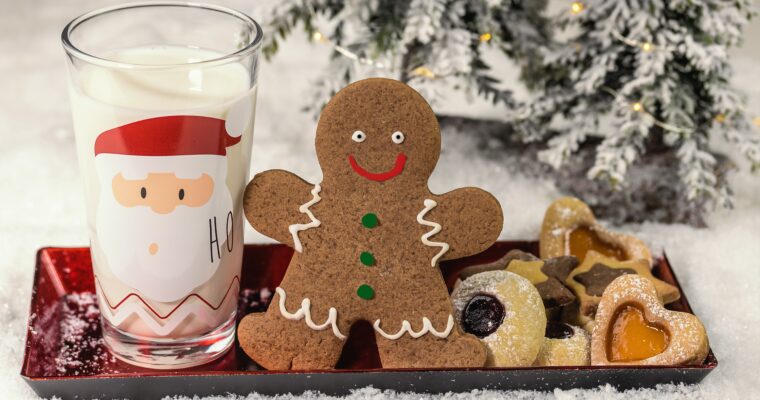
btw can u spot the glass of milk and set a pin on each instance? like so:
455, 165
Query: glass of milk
163, 98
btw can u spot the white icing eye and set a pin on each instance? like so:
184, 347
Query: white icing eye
397, 137
359, 136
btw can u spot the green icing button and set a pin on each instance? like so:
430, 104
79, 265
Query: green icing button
365, 292
369, 220
367, 258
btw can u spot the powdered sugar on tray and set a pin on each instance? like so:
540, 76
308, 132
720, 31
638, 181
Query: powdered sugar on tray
82, 349
42, 201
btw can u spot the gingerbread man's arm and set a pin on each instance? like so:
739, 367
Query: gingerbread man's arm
271, 203
471, 220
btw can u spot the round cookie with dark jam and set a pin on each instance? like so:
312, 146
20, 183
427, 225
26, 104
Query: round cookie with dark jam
482, 315
564, 345
505, 311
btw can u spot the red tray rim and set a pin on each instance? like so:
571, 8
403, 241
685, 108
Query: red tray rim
710, 363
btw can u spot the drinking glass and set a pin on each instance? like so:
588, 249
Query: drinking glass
163, 96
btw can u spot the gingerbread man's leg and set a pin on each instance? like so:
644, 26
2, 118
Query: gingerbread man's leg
276, 343
421, 332
298, 331
458, 350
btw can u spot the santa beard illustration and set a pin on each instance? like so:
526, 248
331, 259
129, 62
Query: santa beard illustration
169, 240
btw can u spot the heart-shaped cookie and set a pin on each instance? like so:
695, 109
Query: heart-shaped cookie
570, 229
632, 327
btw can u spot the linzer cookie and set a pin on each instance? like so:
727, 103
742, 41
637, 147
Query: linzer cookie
368, 239
591, 278
548, 276
565, 345
633, 328
504, 310
570, 228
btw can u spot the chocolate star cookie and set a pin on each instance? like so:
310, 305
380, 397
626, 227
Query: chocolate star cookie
591, 278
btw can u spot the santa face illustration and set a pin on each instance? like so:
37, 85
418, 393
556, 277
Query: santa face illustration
165, 213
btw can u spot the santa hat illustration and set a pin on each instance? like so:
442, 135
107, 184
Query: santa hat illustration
176, 135
186, 145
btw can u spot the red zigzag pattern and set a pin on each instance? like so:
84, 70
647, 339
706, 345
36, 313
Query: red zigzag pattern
113, 307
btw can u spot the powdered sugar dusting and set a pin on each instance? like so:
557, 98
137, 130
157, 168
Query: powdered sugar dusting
521, 334
685, 332
82, 349
566, 212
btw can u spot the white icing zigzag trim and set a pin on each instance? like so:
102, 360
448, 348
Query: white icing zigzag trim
295, 228
305, 313
427, 327
429, 205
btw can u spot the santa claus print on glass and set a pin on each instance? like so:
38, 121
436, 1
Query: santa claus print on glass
164, 144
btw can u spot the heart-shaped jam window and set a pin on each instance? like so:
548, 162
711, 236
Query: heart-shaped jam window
585, 238
632, 338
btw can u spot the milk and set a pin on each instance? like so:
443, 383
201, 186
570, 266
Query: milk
106, 98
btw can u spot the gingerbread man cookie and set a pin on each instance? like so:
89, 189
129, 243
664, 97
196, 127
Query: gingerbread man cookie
368, 239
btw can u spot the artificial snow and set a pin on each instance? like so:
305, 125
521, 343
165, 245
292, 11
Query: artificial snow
42, 199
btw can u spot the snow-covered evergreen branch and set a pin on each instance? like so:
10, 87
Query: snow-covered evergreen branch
431, 44
666, 64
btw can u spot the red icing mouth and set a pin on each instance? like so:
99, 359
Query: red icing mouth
398, 167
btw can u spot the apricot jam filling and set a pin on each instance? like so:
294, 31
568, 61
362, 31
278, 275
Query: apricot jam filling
632, 338
584, 238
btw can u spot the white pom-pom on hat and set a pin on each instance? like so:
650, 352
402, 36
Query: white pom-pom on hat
239, 117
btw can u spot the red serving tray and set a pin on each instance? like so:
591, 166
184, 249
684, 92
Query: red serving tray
65, 355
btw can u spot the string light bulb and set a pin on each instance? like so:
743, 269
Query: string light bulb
317, 36
720, 118
647, 47
637, 106
577, 7
485, 37
424, 72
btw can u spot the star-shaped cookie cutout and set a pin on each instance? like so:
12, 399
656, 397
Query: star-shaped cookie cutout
498, 265
548, 276
589, 280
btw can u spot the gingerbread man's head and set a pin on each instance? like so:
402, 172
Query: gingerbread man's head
378, 132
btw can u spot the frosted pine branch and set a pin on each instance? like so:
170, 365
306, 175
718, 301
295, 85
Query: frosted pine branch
668, 60
696, 171
423, 21
432, 44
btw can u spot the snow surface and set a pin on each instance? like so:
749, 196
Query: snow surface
41, 202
